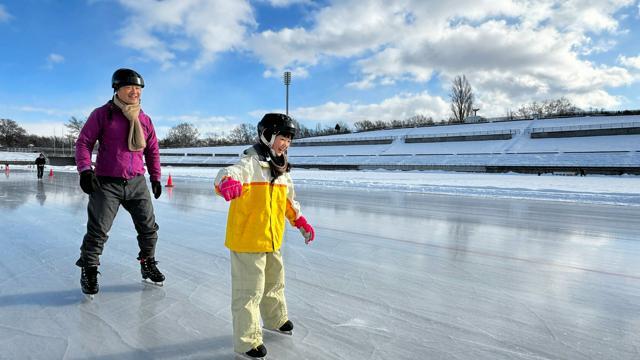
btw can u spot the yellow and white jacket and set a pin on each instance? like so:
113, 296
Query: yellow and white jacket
256, 219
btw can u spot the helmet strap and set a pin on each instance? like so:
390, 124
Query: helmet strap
264, 140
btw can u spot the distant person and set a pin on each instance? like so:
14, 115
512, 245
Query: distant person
264, 197
127, 140
40, 162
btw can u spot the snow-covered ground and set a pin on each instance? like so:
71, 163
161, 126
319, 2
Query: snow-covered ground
619, 190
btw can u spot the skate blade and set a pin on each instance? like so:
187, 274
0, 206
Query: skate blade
89, 296
245, 356
150, 282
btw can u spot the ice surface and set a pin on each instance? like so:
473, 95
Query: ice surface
393, 274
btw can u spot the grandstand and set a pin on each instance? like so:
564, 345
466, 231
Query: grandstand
590, 144
587, 144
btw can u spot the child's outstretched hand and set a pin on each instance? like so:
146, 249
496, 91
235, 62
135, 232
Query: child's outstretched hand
230, 189
306, 229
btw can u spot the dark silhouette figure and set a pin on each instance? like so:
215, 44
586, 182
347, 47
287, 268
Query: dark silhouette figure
40, 162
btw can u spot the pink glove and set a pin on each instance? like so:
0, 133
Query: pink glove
230, 188
306, 229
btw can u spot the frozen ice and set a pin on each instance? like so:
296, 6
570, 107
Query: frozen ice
392, 274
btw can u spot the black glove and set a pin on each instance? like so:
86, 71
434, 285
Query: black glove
88, 181
156, 187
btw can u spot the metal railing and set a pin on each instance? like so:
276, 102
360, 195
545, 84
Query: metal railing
586, 127
48, 151
341, 139
468, 133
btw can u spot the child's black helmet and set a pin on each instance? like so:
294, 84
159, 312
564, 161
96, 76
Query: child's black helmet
124, 77
273, 124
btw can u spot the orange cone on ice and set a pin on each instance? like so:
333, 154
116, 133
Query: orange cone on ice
50, 172
169, 182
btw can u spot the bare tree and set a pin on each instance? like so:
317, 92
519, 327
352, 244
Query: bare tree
184, 134
379, 125
243, 134
547, 108
418, 120
561, 106
73, 128
461, 98
11, 134
364, 125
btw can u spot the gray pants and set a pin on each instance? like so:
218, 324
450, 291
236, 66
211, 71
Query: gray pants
103, 206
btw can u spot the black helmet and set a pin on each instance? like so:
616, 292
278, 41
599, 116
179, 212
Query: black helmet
275, 124
124, 77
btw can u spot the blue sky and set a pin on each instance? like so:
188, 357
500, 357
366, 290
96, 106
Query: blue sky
219, 63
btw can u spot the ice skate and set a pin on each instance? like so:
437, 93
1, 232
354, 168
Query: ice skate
89, 281
150, 272
259, 352
285, 329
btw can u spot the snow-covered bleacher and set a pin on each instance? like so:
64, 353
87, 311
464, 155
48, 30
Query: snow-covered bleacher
602, 144
498, 146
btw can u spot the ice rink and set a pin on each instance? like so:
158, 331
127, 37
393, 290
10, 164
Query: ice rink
391, 275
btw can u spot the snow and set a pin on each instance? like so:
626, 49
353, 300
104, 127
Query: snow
601, 189
622, 190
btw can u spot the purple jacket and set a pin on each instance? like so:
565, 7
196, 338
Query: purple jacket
108, 125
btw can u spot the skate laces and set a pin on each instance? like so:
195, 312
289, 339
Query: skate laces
91, 274
150, 265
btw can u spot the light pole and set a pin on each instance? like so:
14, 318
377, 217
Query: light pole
287, 82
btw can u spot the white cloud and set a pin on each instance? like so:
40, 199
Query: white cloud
631, 62
399, 107
54, 59
512, 51
51, 111
45, 128
168, 30
206, 125
285, 3
347, 29
587, 15
517, 51
4, 14
595, 99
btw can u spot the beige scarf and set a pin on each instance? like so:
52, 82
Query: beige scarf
136, 139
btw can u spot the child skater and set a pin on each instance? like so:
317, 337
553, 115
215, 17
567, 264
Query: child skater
264, 196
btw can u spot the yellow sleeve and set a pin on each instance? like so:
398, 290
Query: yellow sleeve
293, 207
